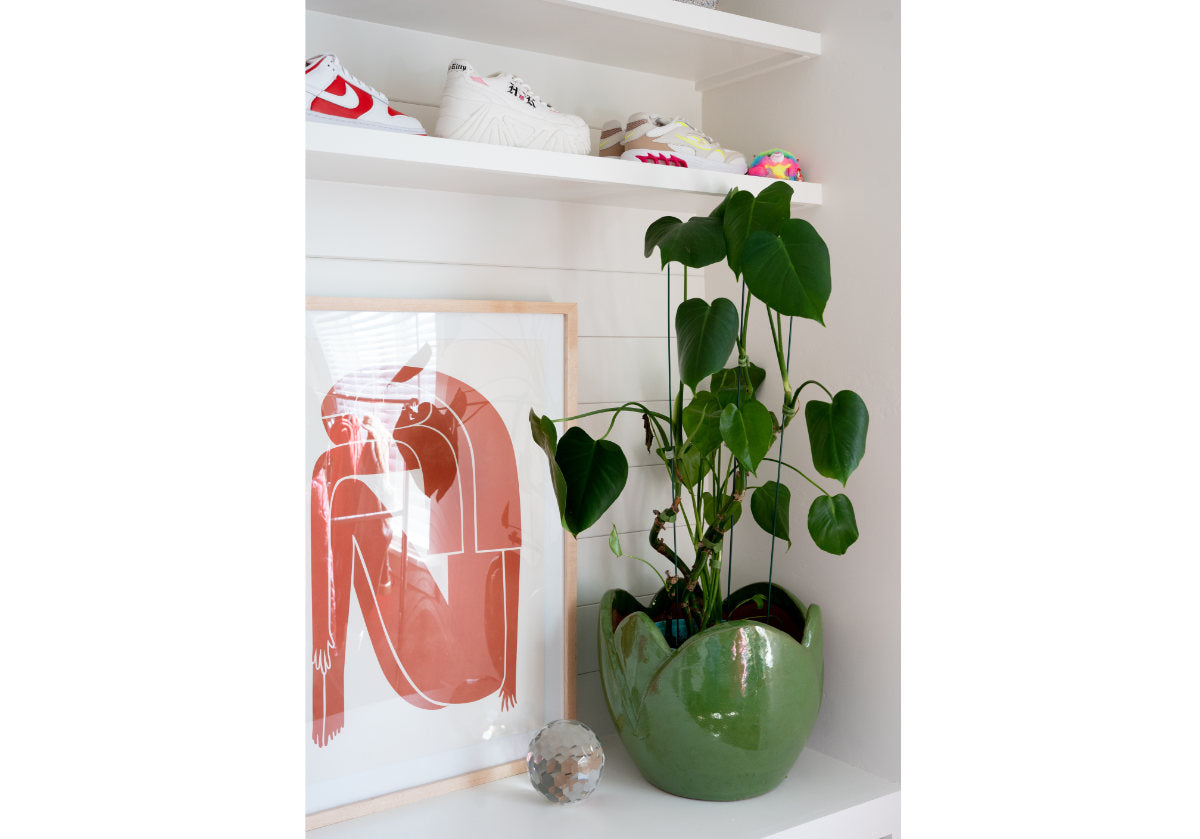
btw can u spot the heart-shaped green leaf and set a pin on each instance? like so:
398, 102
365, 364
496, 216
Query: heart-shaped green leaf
692, 465
837, 434
770, 505
831, 523
546, 436
719, 210
773, 206
748, 431
746, 213
711, 506
724, 383
707, 335
789, 272
702, 422
595, 473
695, 243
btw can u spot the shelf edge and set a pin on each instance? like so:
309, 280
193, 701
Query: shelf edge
707, 22
326, 144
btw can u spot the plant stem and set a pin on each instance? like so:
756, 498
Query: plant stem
722, 521
777, 339
798, 472
818, 384
648, 565
656, 540
642, 409
745, 324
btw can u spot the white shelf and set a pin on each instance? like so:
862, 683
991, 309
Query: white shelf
708, 47
821, 798
351, 154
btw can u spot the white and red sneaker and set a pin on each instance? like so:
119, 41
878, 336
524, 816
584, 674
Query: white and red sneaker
650, 138
501, 109
336, 95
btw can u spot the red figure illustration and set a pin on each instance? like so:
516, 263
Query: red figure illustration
439, 597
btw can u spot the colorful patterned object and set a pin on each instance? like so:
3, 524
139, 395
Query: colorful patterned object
776, 163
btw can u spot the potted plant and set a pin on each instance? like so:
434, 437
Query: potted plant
715, 696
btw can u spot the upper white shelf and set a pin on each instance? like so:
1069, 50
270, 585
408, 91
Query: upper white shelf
385, 158
663, 37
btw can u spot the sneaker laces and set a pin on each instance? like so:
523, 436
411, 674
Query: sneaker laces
661, 121
696, 131
356, 80
524, 87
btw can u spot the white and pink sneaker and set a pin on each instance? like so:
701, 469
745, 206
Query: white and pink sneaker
503, 110
336, 95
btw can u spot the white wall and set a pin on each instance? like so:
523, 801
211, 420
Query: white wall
840, 114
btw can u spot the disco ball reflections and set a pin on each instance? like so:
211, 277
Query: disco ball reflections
565, 761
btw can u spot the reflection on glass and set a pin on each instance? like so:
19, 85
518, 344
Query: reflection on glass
416, 508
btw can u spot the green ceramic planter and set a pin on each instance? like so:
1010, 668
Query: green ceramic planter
723, 717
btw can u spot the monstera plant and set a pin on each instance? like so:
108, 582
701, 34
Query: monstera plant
718, 436
715, 696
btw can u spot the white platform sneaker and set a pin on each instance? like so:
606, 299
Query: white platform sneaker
502, 110
336, 95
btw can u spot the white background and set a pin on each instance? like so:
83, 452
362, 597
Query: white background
1049, 456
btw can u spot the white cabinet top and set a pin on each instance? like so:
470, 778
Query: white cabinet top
663, 37
821, 798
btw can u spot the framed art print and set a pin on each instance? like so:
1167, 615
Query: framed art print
441, 586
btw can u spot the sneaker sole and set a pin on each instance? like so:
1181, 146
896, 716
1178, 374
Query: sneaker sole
416, 130
669, 158
485, 123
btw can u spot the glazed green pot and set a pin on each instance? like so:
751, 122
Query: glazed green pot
724, 716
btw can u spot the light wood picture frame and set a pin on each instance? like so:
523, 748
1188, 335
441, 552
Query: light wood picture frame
441, 584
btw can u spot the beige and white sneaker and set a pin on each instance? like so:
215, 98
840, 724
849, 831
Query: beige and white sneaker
612, 139
502, 110
651, 138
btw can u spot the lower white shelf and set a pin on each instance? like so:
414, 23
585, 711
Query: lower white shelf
821, 798
383, 158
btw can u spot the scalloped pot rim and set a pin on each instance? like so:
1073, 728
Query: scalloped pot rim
731, 626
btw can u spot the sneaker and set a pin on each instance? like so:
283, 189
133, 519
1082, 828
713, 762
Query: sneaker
501, 109
612, 139
336, 95
651, 138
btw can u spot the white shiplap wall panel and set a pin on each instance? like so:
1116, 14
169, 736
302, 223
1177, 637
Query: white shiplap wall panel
591, 709
615, 370
599, 570
379, 222
594, 291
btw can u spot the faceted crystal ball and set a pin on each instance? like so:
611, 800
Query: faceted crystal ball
565, 761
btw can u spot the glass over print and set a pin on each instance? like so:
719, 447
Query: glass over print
437, 568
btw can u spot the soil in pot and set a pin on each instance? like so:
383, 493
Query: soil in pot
747, 603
